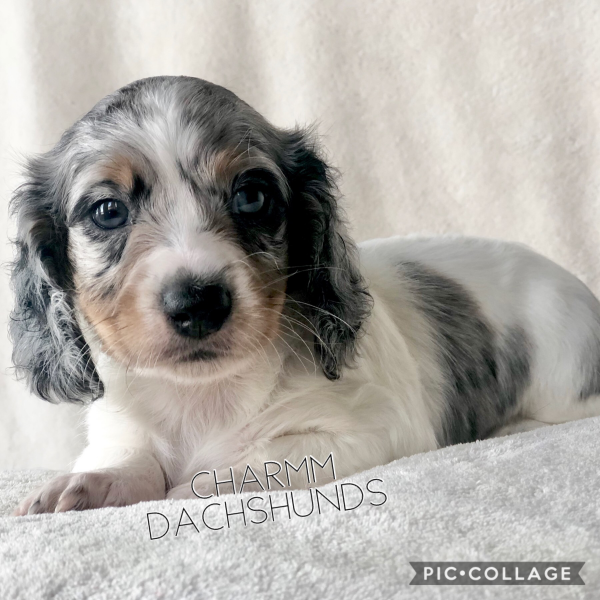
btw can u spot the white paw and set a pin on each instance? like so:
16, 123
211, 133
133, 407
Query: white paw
182, 492
82, 491
204, 485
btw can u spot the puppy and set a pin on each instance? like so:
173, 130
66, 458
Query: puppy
183, 268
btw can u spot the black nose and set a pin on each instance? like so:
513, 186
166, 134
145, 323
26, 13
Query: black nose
196, 310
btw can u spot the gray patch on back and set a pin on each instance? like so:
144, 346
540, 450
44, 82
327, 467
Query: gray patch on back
589, 311
591, 372
486, 372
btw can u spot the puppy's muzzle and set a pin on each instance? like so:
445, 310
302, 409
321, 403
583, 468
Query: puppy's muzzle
196, 309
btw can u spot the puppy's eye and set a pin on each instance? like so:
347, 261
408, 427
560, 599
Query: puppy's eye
249, 200
109, 214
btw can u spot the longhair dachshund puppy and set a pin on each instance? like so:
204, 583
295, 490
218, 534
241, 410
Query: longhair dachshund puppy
183, 268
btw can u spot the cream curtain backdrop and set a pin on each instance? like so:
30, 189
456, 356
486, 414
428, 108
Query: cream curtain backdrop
462, 116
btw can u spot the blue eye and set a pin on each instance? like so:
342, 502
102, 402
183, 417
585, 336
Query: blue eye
249, 201
109, 214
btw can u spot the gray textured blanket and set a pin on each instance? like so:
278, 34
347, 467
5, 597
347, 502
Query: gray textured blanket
531, 497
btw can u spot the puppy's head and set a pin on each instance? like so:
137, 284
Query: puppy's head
171, 225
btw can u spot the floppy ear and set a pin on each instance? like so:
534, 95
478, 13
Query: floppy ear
322, 259
48, 347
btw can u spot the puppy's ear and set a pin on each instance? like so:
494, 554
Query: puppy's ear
324, 273
48, 346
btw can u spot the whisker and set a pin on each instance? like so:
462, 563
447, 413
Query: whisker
269, 339
296, 334
284, 277
321, 310
309, 329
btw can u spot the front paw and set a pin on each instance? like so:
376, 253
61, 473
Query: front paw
185, 491
207, 485
181, 492
80, 491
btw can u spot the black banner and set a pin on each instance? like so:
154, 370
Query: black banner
497, 573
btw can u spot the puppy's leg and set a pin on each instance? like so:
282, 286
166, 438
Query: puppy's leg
297, 449
552, 412
112, 477
518, 427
